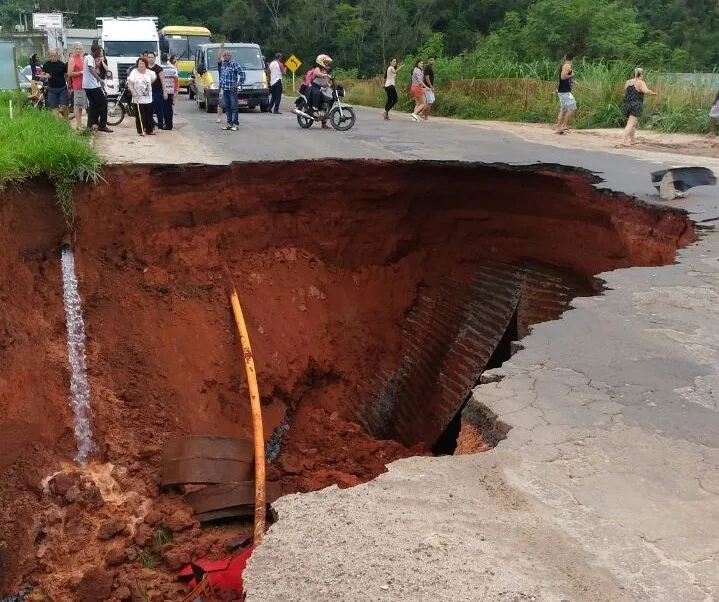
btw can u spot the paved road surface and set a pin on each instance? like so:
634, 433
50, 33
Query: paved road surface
265, 137
607, 487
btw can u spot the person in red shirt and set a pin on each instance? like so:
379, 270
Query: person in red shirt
74, 72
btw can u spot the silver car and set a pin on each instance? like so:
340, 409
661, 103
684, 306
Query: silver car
24, 77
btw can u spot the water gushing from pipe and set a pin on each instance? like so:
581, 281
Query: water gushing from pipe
79, 388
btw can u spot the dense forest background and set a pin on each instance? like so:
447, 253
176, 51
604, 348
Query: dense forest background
677, 35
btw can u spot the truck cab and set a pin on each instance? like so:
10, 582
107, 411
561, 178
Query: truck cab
205, 81
124, 39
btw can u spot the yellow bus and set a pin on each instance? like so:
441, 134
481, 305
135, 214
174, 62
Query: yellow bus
182, 41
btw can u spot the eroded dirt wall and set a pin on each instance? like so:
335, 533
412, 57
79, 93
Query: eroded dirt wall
328, 258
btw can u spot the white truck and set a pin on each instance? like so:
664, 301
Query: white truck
124, 39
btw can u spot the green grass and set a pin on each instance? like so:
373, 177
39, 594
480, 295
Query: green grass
507, 91
149, 560
163, 537
35, 144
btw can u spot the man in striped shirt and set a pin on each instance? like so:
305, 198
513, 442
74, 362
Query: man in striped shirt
170, 73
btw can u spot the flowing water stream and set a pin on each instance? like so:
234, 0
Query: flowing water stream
79, 388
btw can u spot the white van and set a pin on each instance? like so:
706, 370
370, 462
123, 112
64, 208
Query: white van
205, 79
124, 39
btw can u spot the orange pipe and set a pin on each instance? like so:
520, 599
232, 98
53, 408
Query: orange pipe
258, 433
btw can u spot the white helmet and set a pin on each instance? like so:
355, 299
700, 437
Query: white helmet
324, 60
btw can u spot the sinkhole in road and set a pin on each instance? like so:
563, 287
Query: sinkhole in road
376, 294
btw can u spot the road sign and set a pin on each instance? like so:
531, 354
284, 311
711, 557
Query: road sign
293, 63
47, 21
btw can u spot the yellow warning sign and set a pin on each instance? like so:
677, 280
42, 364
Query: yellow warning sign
293, 63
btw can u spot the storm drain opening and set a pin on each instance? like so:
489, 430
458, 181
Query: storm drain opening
376, 294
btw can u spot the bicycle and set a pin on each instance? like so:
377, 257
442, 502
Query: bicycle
37, 100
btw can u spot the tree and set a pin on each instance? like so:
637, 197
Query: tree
388, 18
351, 33
614, 32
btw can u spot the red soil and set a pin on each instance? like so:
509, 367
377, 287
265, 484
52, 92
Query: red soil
325, 274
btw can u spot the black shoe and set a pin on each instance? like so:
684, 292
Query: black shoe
277, 113
105, 129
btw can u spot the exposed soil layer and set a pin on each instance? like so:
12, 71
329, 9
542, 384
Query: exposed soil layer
332, 260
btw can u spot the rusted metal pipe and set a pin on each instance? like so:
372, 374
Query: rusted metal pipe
258, 433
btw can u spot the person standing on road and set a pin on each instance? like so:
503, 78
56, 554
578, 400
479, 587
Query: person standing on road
79, 100
171, 76
713, 116
390, 87
140, 83
634, 90
97, 101
567, 103
231, 78
159, 93
221, 96
173, 62
56, 72
34, 74
277, 70
101, 64
417, 90
429, 87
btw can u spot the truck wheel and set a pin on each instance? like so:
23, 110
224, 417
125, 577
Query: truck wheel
190, 93
264, 108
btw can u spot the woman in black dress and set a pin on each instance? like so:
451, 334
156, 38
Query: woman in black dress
634, 91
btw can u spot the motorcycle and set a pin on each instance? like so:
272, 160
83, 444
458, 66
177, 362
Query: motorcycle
119, 107
37, 100
331, 108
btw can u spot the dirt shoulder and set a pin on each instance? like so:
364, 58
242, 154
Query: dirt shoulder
656, 146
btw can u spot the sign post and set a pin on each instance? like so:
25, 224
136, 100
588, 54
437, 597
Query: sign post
47, 20
51, 23
293, 64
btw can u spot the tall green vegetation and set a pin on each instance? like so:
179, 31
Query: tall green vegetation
679, 35
473, 87
35, 144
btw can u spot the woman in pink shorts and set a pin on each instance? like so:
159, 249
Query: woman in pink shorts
417, 90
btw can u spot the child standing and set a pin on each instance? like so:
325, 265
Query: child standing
713, 116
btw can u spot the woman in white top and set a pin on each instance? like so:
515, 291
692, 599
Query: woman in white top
140, 84
390, 87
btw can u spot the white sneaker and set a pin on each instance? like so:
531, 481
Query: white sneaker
235, 128
415, 117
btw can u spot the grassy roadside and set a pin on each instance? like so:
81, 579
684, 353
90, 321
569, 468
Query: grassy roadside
678, 108
35, 144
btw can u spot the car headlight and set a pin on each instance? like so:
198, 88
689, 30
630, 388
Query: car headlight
261, 86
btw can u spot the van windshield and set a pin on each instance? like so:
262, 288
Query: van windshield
124, 48
249, 58
193, 42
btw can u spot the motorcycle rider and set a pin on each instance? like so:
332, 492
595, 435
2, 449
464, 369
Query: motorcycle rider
321, 78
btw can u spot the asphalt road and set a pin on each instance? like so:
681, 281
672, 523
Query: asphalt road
268, 137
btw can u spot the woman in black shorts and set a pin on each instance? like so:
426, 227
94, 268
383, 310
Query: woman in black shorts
634, 91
